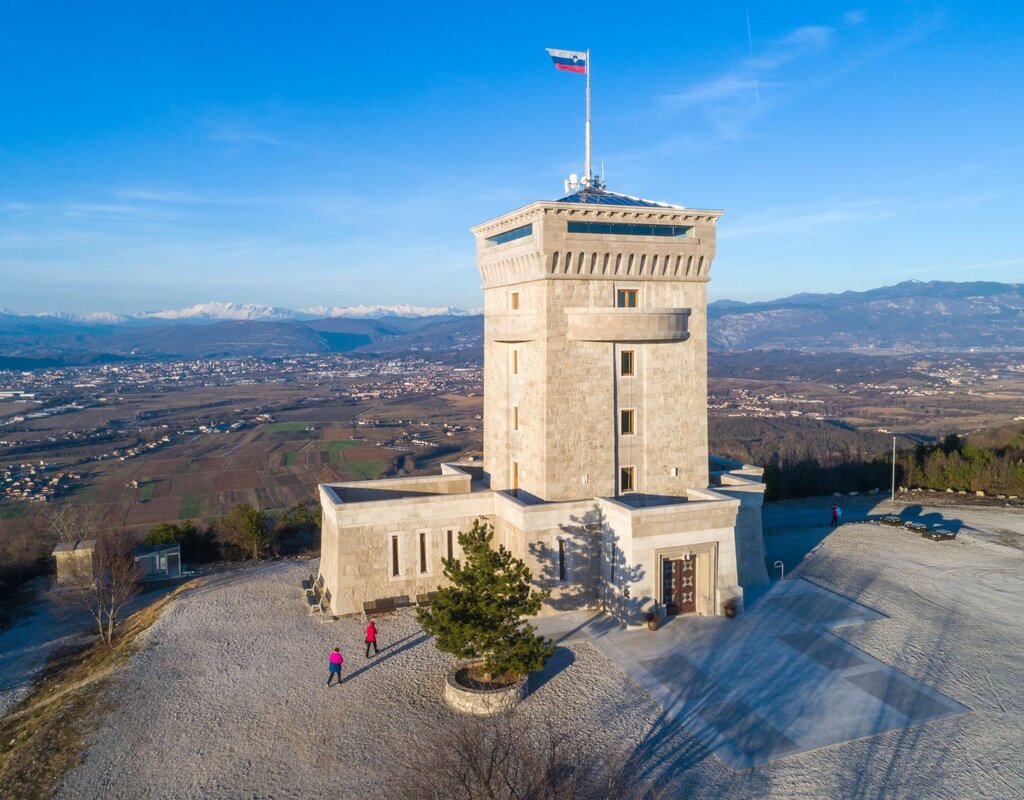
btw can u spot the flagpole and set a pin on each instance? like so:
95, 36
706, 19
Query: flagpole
586, 161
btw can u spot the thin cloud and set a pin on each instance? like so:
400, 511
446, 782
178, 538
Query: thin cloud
800, 221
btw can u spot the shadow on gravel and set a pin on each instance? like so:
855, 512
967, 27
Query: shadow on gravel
562, 658
393, 649
916, 513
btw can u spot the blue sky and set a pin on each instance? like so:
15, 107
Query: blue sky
157, 155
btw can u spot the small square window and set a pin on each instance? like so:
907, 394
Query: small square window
626, 298
627, 363
626, 475
514, 301
627, 422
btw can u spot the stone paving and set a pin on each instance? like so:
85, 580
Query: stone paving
772, 682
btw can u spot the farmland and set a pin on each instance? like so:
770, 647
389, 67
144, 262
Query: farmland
147, 456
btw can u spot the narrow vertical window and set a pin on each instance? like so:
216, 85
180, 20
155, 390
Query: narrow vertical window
626, 479
627, 420
626, 298
514, 301
515, 479
561, 559
450, 536
515, 362
423, 551
627, 363
515, 418
611, 570
395, 571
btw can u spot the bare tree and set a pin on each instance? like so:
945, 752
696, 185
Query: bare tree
68, 522
511, 756
109, 585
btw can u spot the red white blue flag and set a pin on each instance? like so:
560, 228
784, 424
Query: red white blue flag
569, 60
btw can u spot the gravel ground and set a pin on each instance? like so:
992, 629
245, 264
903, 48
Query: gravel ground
228, 699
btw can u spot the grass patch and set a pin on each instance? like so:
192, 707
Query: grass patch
337, 446
287, 426
41, 738
189, 507
146, 489
365, 468
289, 458
12, 511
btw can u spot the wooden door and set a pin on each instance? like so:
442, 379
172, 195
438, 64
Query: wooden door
685, 584
679, 585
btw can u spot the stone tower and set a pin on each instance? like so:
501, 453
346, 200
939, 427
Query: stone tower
595, 355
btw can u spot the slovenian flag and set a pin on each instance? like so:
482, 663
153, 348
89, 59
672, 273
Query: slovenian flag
569, 60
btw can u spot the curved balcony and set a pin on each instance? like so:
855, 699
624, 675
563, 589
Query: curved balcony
513, 327
628, 324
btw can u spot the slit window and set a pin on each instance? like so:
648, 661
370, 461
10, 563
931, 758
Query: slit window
395, 563
515, 362
627, 363
626, 479
450, 543
515, 418
423, 551
561, 560
611, 569
626, 298
627, 422
514, 301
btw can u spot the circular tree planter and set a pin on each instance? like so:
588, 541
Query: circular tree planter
461, 693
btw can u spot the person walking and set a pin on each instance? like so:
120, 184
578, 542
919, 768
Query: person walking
334, 666
371, 638
835, 516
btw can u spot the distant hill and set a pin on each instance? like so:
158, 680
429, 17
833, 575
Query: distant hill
908, 317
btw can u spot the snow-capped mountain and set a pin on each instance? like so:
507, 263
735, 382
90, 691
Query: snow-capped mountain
220, 310
377, 312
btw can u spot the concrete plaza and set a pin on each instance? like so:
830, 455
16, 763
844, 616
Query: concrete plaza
769, 684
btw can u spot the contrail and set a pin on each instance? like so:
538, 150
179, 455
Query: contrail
750, 45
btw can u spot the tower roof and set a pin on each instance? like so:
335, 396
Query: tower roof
593, 195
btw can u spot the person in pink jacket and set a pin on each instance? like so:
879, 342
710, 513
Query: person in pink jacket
334, 666
371, 638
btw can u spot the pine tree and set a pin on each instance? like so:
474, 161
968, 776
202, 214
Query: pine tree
480, 616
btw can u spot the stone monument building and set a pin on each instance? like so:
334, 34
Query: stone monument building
596, 468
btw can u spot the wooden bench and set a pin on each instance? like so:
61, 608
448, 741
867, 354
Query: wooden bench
916, 527
313, 604
896, 522
939, 535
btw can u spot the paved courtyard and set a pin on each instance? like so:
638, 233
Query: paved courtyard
769, 684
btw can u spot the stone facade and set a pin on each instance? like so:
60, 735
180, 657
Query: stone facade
596, 469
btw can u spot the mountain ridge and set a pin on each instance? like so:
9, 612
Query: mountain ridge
918, 316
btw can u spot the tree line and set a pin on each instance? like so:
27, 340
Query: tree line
992, 462
246, 532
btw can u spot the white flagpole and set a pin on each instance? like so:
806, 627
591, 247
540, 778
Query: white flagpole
586, 161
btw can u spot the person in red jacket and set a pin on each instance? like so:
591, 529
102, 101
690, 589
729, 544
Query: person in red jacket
334, 666
371, 638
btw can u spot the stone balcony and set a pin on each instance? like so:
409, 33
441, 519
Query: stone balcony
628, 324
516, 326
